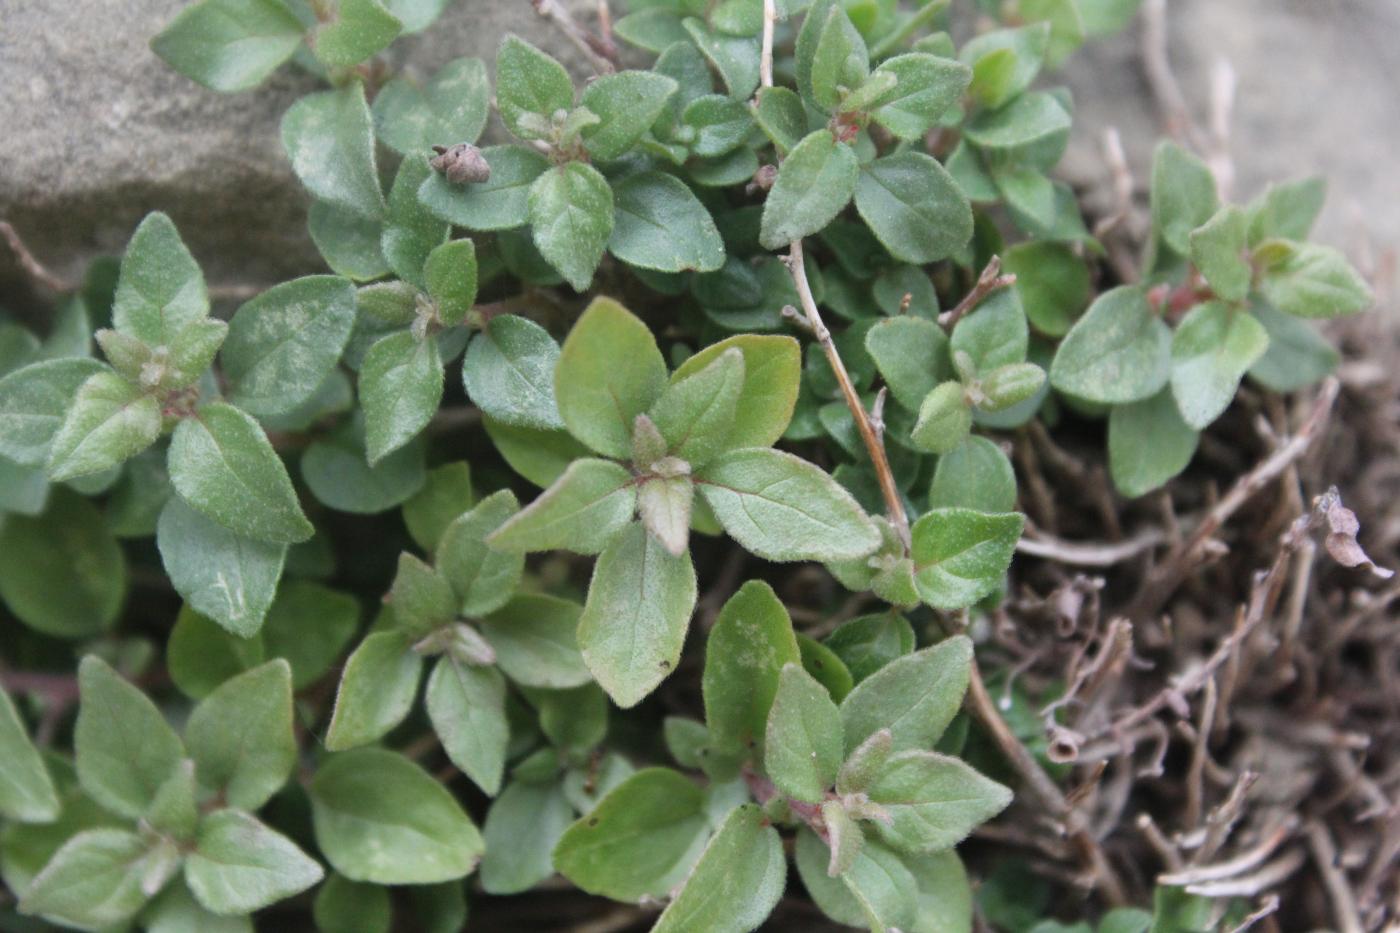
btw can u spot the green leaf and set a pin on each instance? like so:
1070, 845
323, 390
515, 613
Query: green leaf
1005, 62
571, 218
467, 707
1148, 444
1287, 211
751, 641
582, 511
1183, 195
1032, 119
734, 57
535, 640
909, 352
654, 29
499, 203
575, 721
627, 104
927, 88
1065, 22
914, 207
737, 881
1297, 356
411, 232
877, 892
176, 911
609, 372
782, 508
933, 801
840, 61
110, 421
160, 289
665, 505
974, 475
350, 243
240, 736
1218, 249
421, 597
914, 697
1010, 385
1052, 282
944, 419
63, 572
640, 841
381, 818
1310, 280
482, 578
229, 45
960, 555
125, 748
694, 413
191, 352
529, 82
450, 108
1106, 17
450, 274
780, 115
509, 372
330, 139
944, 896
356, 31
540, 456
1212, 349
815, 182
416, 15
661, 225
223, 466
229, 578
400, 388
1119, 351
865, 763
239, 865
994, 335
868, 643
200, 655
720, 125
27, 793
95, 881
772, 373
33, 402
376, 690
345, 906
803, 745
521, 831
309, 625
338, 475
635, 618
444, 497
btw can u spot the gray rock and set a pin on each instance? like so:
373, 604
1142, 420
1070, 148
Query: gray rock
98, 131
1315, 96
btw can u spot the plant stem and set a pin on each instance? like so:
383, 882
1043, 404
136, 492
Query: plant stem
920, 18
989, 281
1043, 787
894, 502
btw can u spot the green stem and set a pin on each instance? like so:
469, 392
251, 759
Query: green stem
920, 18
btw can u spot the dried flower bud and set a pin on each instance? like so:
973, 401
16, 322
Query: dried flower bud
462, 164
763, 178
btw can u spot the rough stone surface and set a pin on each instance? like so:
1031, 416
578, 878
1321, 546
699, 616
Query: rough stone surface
98, 131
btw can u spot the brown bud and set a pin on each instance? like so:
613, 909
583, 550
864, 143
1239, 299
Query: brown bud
763, 178
462, 164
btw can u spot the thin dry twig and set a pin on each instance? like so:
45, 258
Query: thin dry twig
1166, 576
765, 59
1090, 554
593, 48
1161, 80
989, 281
894, 501
1324, 854
30, 263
